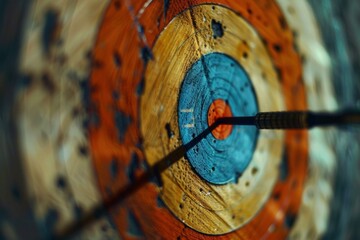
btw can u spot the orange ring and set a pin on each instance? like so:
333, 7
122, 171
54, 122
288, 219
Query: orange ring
219, 108
122, 50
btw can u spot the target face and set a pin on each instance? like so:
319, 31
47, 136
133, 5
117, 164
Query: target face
201, 54
146, 77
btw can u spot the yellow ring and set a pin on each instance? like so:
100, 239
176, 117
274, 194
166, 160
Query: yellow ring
210, 209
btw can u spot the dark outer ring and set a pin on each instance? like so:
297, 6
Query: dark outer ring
15, 206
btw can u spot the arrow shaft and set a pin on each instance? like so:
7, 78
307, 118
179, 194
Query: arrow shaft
294, 119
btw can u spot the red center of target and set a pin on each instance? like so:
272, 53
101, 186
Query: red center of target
218, 109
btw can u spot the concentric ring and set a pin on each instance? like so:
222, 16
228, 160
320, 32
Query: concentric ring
252, 34
218, 109
217, 76
187, 195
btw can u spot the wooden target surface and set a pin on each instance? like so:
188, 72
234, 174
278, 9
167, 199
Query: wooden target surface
109, 88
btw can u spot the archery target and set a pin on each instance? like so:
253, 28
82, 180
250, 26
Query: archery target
99, 108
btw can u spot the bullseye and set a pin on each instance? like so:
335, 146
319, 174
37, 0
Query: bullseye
219, 108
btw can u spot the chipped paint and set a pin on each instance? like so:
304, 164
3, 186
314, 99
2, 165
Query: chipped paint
122, 122
217, 29
166, 7
49, 30
134, 228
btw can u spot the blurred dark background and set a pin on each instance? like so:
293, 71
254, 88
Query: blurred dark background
339, 22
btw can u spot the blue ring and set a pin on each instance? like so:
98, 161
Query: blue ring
217, 76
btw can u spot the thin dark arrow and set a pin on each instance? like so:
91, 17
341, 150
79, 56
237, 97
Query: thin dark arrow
264, 120
295, 119
153, 172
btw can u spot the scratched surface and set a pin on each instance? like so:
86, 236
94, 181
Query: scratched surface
182, 186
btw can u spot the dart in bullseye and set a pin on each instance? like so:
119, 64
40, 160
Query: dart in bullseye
263, 120
294, 119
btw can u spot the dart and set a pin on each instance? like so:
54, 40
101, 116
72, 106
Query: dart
294, 119
264, 120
